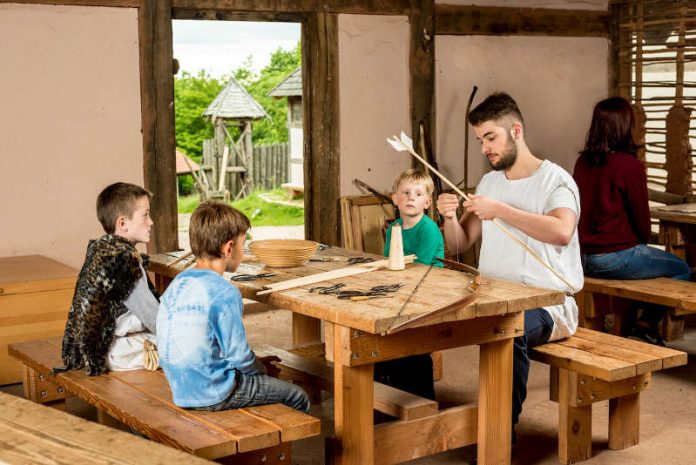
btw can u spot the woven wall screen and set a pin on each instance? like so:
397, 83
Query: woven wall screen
657, 69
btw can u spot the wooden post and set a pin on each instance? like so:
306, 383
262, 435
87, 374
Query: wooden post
321, 127
624, 421
574, 423
157, 107
353, 401
495, 403
248, 157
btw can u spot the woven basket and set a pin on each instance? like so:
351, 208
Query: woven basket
283, 253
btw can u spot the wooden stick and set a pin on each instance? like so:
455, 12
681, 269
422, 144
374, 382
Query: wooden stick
328, 275
179, 258
495, 220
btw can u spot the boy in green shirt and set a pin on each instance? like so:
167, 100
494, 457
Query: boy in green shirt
413, 190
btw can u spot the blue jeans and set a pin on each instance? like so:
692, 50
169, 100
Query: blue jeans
262, 390
538, 326
639, 262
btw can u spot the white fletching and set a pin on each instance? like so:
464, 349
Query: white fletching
408, 142
397, 144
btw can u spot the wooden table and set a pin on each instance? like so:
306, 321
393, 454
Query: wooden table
353, 341
678, 229
32, 433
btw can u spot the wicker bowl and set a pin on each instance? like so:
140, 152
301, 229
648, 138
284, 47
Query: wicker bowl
283, 253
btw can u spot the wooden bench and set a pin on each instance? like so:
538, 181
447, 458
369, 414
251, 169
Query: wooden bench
294, 190
600, 297
142, 400
590, 367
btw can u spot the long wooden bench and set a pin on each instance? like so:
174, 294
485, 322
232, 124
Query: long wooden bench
142, 400
590, 367
600, 297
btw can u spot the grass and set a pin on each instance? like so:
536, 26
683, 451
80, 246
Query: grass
260, 212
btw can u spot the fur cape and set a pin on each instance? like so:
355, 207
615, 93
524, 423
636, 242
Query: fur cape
107, 277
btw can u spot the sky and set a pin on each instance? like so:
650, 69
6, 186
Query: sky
219, 47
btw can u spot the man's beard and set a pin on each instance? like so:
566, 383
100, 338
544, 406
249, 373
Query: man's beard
507, 158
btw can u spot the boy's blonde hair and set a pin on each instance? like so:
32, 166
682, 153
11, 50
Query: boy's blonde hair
415, 175
118, 199
213, 224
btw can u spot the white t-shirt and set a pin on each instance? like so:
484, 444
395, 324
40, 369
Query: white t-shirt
550, 187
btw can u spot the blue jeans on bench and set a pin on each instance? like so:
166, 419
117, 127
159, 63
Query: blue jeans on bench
538, 326
638, 262
262, 390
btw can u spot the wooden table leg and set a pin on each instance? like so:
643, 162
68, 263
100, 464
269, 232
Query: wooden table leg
495, 403
306, 330
353, 401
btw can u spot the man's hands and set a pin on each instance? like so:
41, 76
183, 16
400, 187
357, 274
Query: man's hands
483, 207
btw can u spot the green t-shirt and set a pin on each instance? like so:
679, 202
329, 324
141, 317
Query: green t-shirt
424, 240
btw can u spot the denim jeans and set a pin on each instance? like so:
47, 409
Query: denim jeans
639, 262
538, 326
262, 390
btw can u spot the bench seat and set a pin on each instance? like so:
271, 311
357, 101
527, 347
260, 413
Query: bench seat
590, 367
600, 297
142, 400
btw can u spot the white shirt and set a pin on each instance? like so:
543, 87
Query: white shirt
501, 257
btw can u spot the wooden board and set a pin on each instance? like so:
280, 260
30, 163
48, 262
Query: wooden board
662, 291
364, 221
681, 213
31, 433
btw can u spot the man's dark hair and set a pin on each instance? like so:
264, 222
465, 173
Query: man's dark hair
496, 107
611, 130
118, 199
212, 224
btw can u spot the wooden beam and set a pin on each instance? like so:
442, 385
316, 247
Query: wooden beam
225, 15
321, 110
112, 3
422, 70
486, 20
375, 7
157, 107
618, 72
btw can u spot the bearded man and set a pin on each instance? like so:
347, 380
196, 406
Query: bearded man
539, 202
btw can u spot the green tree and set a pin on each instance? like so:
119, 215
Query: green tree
192, 95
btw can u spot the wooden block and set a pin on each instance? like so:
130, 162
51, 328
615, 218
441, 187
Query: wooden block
401, 404
437, 365
624, 421
39, 388
276, 455
494, 419
574, 423
672, 327
401, 441
589, 390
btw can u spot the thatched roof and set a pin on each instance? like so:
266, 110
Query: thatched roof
234, 102
291, 86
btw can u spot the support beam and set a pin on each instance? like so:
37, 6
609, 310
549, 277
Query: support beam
321, 109
375, 7
157, 106
486, 20
111, 3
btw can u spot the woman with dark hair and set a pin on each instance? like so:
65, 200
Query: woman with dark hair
614, 224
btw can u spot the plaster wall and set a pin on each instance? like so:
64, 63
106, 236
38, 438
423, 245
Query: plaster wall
559, 4
373, 98
555, 81
70, 123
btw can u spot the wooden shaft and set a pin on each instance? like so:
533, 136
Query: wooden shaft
495, 221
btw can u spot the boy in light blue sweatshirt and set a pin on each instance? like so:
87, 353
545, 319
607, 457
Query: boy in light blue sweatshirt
202, 345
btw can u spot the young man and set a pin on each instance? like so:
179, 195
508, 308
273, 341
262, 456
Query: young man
114, 307
539, 202
202, 344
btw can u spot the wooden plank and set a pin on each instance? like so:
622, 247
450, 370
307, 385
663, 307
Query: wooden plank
487, 20
402, 404
105, 3
365, 348
401, 441
681, 213
378, 7
495, 403
670, 357
661, 291
248, 433
590, 390
579, 361
322, 131
291, 423
353, 400
645, 363
31, 433
157, 96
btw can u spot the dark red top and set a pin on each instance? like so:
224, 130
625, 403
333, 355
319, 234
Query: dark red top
614, 212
